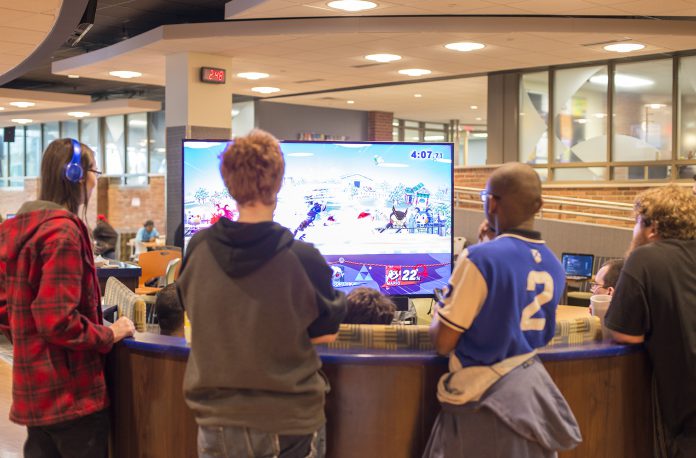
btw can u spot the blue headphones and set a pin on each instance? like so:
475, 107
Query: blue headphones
73, 169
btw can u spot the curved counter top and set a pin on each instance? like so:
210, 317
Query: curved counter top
387, 399
176, 346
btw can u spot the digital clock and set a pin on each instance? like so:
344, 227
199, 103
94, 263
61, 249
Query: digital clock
213, 75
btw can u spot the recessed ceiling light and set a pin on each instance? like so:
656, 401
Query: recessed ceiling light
624, 47
253, 75
622, 81
352, 6
383, 57
479, 119
350, 102
2, 108
22, 104
465, 46
655, 106
474, 107
78, 114
265, 89
418, 96
73, 76
22, 120
415, 72
125, 74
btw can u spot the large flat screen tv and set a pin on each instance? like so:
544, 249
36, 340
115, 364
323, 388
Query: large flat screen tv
379, 213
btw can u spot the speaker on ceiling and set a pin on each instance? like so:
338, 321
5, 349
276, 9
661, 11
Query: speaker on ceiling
8, 134
86, 23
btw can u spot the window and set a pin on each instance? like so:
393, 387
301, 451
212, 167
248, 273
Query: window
643, 111
17, 158
89, 135
68, 129
687, 103
136, 150
534, 118
580, 117
114, 145
34, 150
3, 160
158, 151
51, 131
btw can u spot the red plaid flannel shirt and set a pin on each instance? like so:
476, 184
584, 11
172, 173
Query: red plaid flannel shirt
49, 304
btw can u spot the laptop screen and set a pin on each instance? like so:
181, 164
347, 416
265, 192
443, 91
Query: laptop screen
577, 265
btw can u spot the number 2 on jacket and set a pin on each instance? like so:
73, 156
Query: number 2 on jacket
535, 277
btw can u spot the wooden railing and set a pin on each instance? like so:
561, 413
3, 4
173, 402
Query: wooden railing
556, 207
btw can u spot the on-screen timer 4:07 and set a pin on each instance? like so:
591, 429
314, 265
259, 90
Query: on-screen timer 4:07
426, 154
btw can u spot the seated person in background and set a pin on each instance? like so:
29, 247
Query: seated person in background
170, 313
606, 277
105, 237
498, 308
369, 306
147, 233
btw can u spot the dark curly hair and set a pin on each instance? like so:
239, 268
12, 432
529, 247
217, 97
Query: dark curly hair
369, 306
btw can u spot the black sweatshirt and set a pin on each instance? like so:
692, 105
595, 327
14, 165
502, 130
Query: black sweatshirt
255, 297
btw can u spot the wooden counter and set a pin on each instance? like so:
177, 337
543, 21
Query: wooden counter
382, 403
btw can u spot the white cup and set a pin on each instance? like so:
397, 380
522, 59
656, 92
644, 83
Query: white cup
599, 304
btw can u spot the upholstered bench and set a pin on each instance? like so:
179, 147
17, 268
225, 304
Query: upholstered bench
571, 331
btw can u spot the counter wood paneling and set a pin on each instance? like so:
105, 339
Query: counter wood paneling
382, 404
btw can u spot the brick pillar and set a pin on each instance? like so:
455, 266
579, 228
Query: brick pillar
379, 126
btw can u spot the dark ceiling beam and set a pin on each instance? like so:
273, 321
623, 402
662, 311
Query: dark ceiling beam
68, 18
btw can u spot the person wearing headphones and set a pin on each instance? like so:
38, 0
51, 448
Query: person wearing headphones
50, 309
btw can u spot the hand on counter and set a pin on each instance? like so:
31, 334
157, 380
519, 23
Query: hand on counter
123, 327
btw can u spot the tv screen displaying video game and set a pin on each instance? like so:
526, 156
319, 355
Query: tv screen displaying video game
379, 213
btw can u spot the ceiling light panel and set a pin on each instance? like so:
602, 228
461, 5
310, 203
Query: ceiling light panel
624, 47
125, 74
352, 6
383, 58
415, 72
465, 46
265, 89
253, 75
22, 104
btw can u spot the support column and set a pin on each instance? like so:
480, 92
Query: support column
503, 113
193, 109
379, 126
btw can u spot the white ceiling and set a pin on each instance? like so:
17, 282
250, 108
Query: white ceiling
321, 54
23, 26
301, 8
42, 100
96, 109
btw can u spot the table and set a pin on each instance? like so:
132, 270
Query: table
128, 274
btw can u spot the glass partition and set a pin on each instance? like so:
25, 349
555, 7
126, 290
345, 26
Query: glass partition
158, 151
68, 129
17, 157
114, 145
687, 103
33, 149
580, 117
534, 116
89, 135
136, 149
643, 111
51, 131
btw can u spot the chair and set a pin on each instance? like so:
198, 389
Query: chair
129, 304
172, 272
137, 247
153, 265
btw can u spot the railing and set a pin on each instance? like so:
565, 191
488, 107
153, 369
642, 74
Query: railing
466, 197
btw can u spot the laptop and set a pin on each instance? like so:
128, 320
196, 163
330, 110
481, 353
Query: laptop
577, 266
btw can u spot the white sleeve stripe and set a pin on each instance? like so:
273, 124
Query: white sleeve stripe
468, 293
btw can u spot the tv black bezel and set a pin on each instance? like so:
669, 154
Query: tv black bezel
345, 142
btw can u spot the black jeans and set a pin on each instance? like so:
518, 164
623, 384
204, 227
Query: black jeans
84, 437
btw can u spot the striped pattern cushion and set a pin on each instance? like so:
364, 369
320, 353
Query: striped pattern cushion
575, 331
129, 304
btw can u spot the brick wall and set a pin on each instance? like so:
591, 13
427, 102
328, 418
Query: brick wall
379, 126
11, 199
476, 177
116, 202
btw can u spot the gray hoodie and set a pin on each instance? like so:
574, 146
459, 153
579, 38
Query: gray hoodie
255, 297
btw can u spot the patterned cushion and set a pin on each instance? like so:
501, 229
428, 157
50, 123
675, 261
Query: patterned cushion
574, 331
129, 304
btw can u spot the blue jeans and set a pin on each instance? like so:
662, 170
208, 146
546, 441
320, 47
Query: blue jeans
239, 442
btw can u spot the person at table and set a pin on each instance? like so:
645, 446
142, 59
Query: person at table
368, 306
147, 233
50, 308
606, 277
655, 303
170, 313
105, 238
499, 306
257, 300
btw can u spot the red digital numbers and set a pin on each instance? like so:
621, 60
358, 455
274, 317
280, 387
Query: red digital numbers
213, 75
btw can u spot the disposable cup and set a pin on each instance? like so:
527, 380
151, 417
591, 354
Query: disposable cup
599, 304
